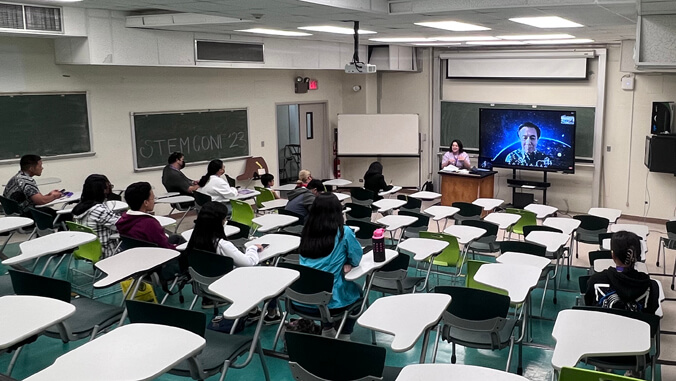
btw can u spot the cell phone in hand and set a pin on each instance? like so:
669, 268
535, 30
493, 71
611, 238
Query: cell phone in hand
265, 245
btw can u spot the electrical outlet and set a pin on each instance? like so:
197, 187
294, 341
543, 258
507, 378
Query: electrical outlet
361, 180
262, 143
607, 148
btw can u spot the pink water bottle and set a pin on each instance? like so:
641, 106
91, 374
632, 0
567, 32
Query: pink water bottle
379, 245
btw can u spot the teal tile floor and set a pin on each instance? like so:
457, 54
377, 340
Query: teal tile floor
536, 355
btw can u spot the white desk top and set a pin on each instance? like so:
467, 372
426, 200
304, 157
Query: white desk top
602, 264
440, 212
395, 221
244, 196
425, 195
174, 199
541, 211
337, 182
133, 261
395, 189
517, 280
164, 221
488, 203
164, 195
640, 230
285, 187
26, 315
279, 244
566, 225
611, 214
414, 314
246, 287
513, 258
423, 248
445, 372
228, 229
341, 196
50, 244
274, 204
269, 222
73, 198
503, 220
115, 206
553, 240
133, 352
8, 224
368, 265
387, 204
580, 333
465, 233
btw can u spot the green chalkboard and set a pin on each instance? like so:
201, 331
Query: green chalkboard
200, 135
43, 124
460, 120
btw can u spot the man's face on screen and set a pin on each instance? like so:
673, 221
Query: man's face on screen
528, 137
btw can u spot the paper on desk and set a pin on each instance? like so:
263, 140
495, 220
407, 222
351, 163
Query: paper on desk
450, 168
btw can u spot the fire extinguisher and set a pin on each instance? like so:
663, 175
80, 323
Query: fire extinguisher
336, 168
336, 160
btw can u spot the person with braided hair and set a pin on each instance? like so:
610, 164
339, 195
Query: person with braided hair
623, 286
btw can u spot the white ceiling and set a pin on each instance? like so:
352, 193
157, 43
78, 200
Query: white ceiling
605, 21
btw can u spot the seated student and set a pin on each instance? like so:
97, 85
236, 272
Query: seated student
173, 179
214, 185
301, 199
110, 195
268, 182
327, 244
92, 212
137, 223
374, 180
623, 286
304, 178
23, 189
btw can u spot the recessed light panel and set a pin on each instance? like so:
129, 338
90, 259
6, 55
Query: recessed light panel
274, 32
466, 38
536, 37
495, 43
402, 39
547, 22
435, 43
334, 29
553, 42
454, 26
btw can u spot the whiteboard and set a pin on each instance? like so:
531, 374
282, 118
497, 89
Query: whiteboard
378, 134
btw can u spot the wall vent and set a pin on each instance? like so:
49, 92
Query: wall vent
30, 18
228, 51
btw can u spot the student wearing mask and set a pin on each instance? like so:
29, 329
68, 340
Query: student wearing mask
173, 179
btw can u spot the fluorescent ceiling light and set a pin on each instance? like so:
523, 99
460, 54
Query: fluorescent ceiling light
435, 43
536, 37
335, 29
547, 22
274, 32
552, 42
452, 25
495, 43
402, 39
466, 38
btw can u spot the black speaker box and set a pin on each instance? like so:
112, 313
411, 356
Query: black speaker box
662, 113
522, 199
660, 153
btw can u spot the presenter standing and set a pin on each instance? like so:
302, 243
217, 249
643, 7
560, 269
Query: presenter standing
456, 156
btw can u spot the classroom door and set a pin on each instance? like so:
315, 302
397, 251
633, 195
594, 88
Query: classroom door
313, 139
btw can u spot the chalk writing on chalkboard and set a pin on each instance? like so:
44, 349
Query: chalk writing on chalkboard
190, 144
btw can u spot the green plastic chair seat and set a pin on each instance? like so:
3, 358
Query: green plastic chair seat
472, 268
527, 218
265, 196
242, 212
450, 257
579, 374
90, 251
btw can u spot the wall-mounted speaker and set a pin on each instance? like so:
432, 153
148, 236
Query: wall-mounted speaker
660, 153
661, 121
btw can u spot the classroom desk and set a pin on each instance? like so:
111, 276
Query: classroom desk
425, 195
273, 204
517, 280
445, 372
280, 244
48, 245
174, 199
165, 195
465, 235
228, 229
422, 249
285, 187
75, 197
245, 196
337, 182
440, 212
367, 265
541, 211
553, 241
129, 353
11, 224
268, 222
415, 315
503, 220
580, 334
488, 203
115, 206
602, 264
638, 229
522, 259
387, 204
164, 221
566, 225
465, 187
393, 222
341, 196
23, 316
132, 262
395, 189
608, 213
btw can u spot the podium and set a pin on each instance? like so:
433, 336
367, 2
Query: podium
465, 187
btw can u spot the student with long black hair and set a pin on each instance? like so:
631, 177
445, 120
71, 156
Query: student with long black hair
327, 244
374, 179
92, 212
214, 185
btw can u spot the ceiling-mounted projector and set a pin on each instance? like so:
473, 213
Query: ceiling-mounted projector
359, 68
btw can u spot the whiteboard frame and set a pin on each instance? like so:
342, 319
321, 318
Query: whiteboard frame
133, 135
91, 151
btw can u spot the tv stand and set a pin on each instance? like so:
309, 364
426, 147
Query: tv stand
515, 184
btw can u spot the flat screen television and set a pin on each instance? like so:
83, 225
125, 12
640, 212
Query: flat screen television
540, 140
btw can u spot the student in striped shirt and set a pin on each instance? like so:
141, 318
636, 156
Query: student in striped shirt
92, 212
